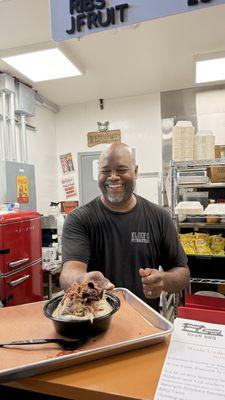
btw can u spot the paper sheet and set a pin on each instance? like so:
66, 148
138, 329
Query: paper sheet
195, 363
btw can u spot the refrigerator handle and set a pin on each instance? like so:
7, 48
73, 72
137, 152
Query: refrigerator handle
20, 280
18, 262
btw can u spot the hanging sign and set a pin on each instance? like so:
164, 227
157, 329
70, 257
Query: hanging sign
76, 18
22, 191
95, 138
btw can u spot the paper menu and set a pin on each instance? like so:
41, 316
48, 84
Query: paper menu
194, 367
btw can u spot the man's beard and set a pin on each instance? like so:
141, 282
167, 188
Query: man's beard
115, 199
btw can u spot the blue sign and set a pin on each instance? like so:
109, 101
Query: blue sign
76, 18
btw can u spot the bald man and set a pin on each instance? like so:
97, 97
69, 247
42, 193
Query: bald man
120, 239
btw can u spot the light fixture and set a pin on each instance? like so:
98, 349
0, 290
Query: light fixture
211, 70
43, 65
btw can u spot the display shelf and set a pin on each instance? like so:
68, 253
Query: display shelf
208, 281
204, 225
204, 269
209, 185
205, 256
198, 164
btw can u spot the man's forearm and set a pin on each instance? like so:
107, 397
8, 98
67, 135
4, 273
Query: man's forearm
70, 276
176, 279
72, 272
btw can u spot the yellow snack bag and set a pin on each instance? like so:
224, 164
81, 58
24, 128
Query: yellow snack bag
188, 242
185, 235
199, 235
202, 246
217, 243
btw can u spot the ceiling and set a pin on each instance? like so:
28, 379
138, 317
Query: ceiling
150, 57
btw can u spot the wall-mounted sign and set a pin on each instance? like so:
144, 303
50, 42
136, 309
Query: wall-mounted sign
67, 163
68, 206
68, 185
76, 18
95, 138
22, 190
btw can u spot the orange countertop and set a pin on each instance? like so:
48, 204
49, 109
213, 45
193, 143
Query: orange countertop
132, 375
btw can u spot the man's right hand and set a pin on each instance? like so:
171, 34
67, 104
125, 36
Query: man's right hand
98, 278
76, 272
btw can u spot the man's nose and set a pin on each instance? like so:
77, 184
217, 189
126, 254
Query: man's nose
114, 175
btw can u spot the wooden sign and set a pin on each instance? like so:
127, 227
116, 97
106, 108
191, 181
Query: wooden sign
95, 138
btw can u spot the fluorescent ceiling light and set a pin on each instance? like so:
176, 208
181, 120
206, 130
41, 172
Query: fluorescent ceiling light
210, 70
43, 65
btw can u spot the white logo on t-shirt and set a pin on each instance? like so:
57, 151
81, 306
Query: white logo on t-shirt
140, 237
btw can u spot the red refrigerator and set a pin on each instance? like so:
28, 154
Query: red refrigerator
21, 277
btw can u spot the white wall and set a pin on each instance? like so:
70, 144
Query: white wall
138, 118
211, 112
42, 153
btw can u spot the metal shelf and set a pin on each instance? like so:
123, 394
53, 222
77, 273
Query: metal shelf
207, 225
198, 164
209, 281
201, 185
211, 256
199, 263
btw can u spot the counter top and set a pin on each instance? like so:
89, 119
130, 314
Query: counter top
132, 375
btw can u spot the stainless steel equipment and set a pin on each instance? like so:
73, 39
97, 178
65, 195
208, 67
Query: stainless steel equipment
192, 177
16, 175
12, 175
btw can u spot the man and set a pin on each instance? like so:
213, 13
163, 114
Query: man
120, 239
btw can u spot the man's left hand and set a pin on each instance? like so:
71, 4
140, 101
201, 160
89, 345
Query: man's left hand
152, 282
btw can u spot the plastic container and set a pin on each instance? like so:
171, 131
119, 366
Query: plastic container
79, 328
189, 208
209, 294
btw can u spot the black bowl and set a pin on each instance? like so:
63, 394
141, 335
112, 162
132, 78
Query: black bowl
81, 328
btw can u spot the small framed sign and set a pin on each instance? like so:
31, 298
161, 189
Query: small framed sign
95, 138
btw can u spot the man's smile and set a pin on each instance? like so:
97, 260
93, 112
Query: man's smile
115, 186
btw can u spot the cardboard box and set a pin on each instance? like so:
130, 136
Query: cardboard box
183, 143
220, 151
217, 174
204, 146
68, 206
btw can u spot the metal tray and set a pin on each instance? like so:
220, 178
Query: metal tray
147, 314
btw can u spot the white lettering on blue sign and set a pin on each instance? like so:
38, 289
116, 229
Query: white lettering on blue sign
77, 18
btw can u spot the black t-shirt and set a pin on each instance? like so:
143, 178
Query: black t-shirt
119, 243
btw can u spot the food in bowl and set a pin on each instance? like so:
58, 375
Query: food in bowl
81, 327
83, 301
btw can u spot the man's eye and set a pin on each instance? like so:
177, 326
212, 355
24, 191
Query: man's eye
118, 171
122, 171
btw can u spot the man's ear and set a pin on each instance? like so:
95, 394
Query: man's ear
136, 171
